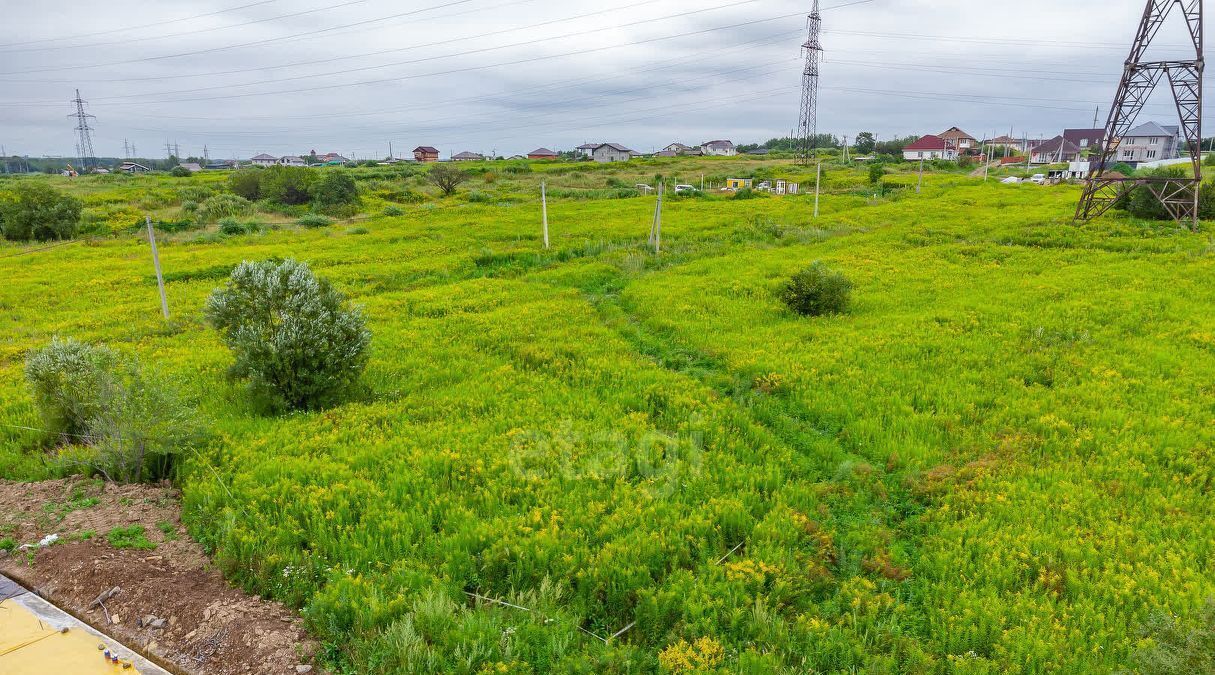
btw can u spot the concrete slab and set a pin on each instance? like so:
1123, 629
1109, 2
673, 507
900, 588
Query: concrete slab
37, 637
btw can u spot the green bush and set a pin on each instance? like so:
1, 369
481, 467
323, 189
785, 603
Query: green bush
246, 183
141, 428
314, 220
234, 227
816, 291
180, 172
336, 188
293, 335
223, 206
189, 206
876, 171
66, 378
1208, 159
291, 185
746, 193
134, 427
38, 211
393, 211
478, 197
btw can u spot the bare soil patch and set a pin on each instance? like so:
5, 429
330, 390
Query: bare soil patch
171, 604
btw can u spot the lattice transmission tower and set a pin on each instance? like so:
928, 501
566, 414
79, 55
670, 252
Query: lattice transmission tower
807, 139
1178, 195
84, 132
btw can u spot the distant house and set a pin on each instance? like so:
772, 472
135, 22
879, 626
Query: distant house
1149, 142
587, 149
1012, 144
1085, 139
1054, 151
542, 153
678, 149
959, 140
264, 160
425, 153
930, 147
133, 167
718, 149
467, 157
219, 166
611, 152
192, 167
758, 151
666, 153
292, 160
738, 183
331, 158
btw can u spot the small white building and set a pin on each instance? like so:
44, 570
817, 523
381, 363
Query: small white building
292, 160
718, 149
264, 160
611, 152
133, 167
587, 150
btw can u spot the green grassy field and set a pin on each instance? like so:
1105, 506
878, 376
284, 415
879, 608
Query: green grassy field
999, 461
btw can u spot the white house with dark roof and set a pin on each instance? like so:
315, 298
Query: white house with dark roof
292, 160
264, 160
1149, 142
611, 152
719, 149
587, 149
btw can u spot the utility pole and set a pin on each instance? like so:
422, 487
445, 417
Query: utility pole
206, 155
177, 151
84, 132
1096, 115
126, 149
846, 160
808, 121
544, 211
920, 183
656, 228
818, 180
168, 150
1179, 196
986, 161
1028, 155
160, 280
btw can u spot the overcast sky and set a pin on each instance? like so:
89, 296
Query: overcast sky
351, 76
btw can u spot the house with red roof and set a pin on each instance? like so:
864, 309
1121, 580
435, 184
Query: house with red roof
930, 147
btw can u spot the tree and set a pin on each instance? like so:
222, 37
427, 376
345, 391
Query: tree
38, 211
246, 183
293, 335
335, 188
180, 171
446, 177
291, 185
866, 142
876, 171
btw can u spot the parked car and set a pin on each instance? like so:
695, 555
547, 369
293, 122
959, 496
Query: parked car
1039, 178
680, 189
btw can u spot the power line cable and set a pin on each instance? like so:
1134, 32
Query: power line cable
241, 45
139, 27
427, 59
535, 59
347, 57
199, 31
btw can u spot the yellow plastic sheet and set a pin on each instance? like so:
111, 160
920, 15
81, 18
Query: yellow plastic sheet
30, 647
